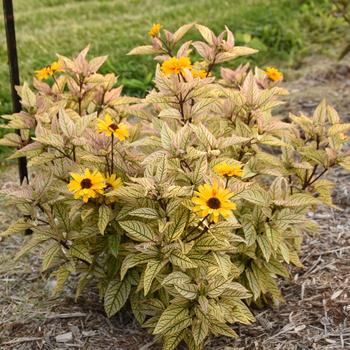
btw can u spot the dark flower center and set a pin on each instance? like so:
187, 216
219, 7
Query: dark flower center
214, 203
85, 183
114, 127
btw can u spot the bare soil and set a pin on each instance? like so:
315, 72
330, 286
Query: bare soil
316, 314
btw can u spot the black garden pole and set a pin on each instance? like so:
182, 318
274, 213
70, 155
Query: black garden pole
14, 74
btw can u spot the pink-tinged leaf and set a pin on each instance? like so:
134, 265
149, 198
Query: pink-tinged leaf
144, 50
184, 50
168, 36
206, 33
181, 32
204, 50
96, 63
41, 86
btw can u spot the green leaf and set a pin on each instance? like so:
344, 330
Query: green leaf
241, 312
138, 230
256, 196
298, 200
217, 286
253, 283
172, 341
29, 245
187, 290
200, 330
81, 251
179, 259
113, 244
18, 227
173, 320
273, 236
176, 228
223, 329
152, 269
62, 275
284, 252
61, 212
104, 214
265, 247
175, 278
133, 260
52, 253
224, 263
249, 232
146, 213
116, 295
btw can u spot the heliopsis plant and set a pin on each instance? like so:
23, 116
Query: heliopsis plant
189, 204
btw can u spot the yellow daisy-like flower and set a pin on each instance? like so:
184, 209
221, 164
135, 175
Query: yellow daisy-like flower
176, 65
50, 70
88, 185
110, 128
202, 73
273, 74
224, 169
154, 30
44, 73
112, 182
213, 201
56, 67
343, 137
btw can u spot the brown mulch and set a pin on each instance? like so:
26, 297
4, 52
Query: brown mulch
316, 314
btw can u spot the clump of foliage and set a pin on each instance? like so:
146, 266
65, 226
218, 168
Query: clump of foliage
342, 10
187, 204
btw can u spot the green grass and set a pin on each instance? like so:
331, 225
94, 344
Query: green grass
283, 30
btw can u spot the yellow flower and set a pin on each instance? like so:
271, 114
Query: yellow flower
48, 71
88, 185
110, 128
343, 137
175, 65
154, 30
112, 182
213, 201
56, 67
228, 170
202, 73
43, 73
273, 74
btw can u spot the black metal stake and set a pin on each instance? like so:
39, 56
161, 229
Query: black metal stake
14, 74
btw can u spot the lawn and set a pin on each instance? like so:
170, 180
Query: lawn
113, 27
284, 32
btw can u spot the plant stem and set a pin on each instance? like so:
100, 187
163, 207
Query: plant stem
195, 228
317, 177
112, 154
227, 180
74, 155
55, 81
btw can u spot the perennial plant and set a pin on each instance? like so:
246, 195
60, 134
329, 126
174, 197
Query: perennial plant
187, 205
